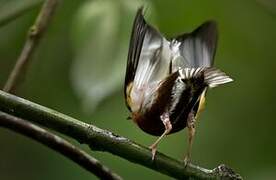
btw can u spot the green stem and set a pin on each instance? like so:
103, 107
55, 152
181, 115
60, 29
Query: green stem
102, 140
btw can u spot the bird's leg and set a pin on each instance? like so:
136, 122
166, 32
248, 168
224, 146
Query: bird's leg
168, 127
191, 132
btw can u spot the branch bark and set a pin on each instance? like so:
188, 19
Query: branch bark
102, 140
58, 144
33, 38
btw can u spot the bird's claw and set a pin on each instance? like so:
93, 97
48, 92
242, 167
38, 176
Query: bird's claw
153, 151
187, 160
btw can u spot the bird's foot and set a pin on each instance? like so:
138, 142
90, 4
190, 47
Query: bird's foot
187, 160
153, 148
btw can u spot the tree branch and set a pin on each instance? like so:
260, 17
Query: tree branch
58, 144
33, 38
102, 140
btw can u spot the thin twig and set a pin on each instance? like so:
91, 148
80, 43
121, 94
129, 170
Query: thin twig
58, 144
103, 140
33, 38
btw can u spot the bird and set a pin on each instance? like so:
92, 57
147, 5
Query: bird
167, 79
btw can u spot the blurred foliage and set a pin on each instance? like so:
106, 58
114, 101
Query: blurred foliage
86, 45
100, 39
269, 5
10, 9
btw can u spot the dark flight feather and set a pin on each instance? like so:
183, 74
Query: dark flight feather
139, 31
199, 47
135, 46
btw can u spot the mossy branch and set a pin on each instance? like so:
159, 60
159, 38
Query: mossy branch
102, 140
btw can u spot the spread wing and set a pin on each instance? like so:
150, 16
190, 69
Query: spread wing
148, 61
197, 49
136, 41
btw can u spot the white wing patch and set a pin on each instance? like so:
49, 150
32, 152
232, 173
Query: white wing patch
154, 61
153, 67
188, 73
195, 52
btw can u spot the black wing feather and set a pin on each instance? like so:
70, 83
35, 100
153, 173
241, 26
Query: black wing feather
136, 41
145, 63
196, 44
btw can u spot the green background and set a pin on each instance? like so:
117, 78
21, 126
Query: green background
238, 126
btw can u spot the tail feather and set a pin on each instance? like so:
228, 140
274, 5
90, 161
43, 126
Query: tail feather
214, 77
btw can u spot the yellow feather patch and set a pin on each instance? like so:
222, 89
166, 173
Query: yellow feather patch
201, 103
128, 91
